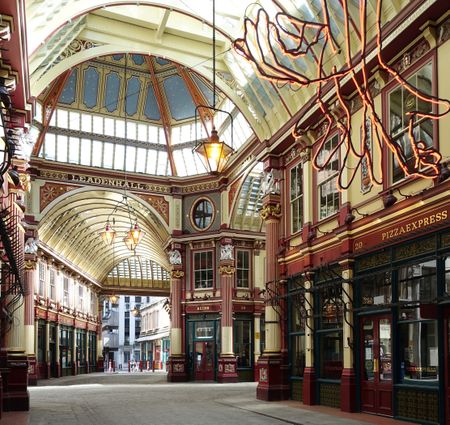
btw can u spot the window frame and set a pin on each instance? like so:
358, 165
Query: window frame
299, 198
319, 184
388, 165
194, 270
248, 269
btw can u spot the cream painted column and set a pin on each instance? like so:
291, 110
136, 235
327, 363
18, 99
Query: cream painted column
74, 351
30, 278
257, 336
271, 214
348, 378
15, 331
100, 359
58, 353
309, 375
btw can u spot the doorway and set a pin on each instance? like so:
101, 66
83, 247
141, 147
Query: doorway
204, 360
447, 372
376, 365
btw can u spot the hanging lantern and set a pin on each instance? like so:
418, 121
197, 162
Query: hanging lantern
136, 234
214, 153
129, 242
108, 235
114, 298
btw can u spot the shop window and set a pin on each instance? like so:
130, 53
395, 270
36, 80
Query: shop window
376, 289
326, 179
447, 276
41, 279
418, 336
65, 346
401, 103
298, 355
80, 298
243, 343
296, 175
243, 269
203, 270
417, 288
41, 342
418, 343
297, 332
329, 332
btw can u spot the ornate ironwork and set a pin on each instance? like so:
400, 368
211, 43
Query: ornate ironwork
273, 45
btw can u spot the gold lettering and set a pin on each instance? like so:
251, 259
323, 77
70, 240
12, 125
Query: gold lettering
384, 236
432, 218
420, 223
444, 215
426, 221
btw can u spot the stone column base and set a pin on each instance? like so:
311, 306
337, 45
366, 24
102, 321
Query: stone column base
348, 391
177, 369
272, 385
227, 370
32, 370
309, 386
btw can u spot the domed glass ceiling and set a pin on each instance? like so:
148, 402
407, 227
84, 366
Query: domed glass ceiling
139, 113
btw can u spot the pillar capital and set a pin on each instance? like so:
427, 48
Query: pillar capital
271, 210
177, 273
227, 268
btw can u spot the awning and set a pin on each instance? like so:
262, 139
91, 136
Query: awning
160, 335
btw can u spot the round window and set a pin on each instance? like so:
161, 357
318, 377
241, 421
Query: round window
202, 214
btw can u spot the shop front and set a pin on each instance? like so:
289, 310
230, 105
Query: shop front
401, 296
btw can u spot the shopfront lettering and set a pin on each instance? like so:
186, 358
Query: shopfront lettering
203, 307
404, 229
415, 225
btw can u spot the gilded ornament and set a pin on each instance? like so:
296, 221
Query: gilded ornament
177, 274
271, 210
227, 270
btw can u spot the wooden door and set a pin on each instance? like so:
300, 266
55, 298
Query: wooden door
376, 365
204, 360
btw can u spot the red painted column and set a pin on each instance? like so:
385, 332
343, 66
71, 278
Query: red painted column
227, 367
177, 360
30, 276
273, 379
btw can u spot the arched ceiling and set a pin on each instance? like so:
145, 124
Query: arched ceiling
71, 227
180, 30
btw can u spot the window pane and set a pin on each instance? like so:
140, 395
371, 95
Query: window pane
61, 149
74, 120
74, 150
86, 123
131, 130
130, 158
119, 157
298, 355
108, 150
418, 351
242, 342
331, 355
140, 160
97, 124
376, 289
97, 153
142, 132
120, 128
50, 146
85, 157
109, 126
62, 118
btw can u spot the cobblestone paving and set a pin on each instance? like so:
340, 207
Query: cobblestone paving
147, 399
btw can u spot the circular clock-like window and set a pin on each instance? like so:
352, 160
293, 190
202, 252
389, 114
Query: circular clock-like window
202, 214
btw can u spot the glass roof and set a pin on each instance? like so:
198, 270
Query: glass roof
136, 113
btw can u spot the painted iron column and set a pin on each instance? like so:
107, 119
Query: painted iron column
227, 367
309, 375
273, 383
177, 359
30, 277
348, 379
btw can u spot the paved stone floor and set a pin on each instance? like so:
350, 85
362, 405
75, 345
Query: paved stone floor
147, 399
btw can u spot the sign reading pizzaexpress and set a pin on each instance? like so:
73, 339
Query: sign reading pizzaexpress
404, 229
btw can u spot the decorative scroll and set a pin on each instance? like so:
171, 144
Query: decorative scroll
270, 211
274, 45
159, 204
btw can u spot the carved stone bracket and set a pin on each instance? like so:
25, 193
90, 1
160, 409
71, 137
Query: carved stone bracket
270, 211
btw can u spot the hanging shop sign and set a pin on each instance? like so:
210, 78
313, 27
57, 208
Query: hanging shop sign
404, 229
